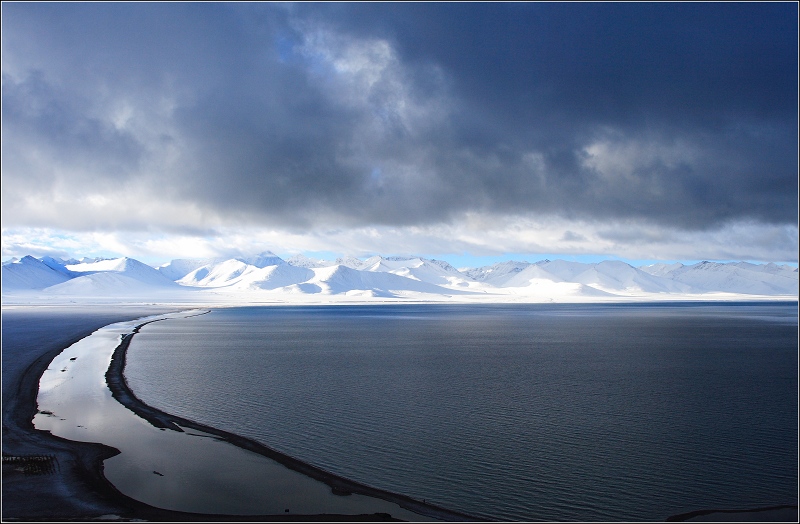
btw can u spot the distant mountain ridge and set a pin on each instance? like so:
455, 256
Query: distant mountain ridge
31, 273
405, 277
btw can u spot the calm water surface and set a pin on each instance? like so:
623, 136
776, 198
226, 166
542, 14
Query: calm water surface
512, 412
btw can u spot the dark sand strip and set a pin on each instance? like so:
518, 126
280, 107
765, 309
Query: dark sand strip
784, 513
120, 390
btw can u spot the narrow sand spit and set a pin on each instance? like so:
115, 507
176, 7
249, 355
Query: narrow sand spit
786, 513
91, 496
338, 485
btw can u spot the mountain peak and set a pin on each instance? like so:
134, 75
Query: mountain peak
350, 261
304, 261
263, 259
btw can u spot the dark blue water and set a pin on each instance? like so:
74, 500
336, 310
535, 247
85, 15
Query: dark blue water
512, 412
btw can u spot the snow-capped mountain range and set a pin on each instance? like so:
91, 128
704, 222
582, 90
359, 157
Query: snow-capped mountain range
268, 278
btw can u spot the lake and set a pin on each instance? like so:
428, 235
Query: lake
505, 412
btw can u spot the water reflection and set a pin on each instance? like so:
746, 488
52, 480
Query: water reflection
185, 471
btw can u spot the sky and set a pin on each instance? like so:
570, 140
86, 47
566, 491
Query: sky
462, 131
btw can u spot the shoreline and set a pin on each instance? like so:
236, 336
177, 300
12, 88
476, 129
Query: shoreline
73, 488
220, 298
121, 392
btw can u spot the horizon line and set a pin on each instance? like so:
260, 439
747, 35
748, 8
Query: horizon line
465, 261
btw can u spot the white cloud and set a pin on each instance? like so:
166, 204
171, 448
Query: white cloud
637, 162
477, 234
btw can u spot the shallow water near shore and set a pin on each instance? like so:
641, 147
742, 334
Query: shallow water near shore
535, 412
188, 471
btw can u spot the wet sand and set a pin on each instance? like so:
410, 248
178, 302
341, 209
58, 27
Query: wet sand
71, 486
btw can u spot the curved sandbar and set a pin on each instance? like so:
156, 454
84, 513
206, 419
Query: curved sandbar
120, 390
782, 513
191, 459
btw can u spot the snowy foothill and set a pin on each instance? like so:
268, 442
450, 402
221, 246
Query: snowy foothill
266, 278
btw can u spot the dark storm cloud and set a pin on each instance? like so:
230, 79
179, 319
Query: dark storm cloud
550, 77
63, 131
605, 63
680, 114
